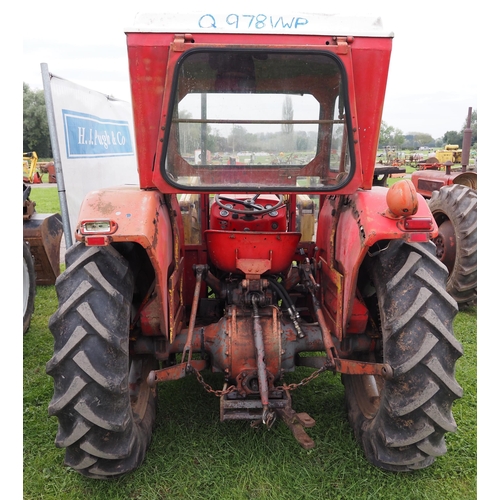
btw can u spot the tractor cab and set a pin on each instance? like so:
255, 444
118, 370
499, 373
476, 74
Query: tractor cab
254, 124
278, 105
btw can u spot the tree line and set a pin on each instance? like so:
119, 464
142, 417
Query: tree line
36, 135
391, 136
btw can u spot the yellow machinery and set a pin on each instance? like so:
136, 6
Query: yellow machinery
30, 172
451, 152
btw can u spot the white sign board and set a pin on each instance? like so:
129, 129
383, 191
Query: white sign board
96, 141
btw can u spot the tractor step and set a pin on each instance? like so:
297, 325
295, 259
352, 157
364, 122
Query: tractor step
234, 407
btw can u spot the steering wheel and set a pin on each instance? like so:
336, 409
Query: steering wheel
253, 208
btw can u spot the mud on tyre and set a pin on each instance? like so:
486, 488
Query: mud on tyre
105, 409
401, 422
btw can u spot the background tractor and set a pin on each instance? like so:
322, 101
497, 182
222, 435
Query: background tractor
452, 196
214, 264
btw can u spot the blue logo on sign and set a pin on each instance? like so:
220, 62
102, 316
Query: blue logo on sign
88, 136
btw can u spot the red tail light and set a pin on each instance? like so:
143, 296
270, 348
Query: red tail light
98, 241
418, 224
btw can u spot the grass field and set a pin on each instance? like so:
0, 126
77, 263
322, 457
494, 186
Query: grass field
194, 456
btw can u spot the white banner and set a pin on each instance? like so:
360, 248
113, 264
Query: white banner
96, 141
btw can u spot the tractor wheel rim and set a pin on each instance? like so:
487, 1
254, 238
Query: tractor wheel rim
446, 245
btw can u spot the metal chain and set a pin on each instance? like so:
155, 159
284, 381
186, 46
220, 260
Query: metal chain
207, 387
304, 381
285, 387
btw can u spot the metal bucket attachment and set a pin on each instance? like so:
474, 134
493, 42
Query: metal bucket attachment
43, 232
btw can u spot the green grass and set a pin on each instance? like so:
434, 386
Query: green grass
46, 199
194, 456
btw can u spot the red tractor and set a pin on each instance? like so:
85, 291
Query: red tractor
451, 192
212, 262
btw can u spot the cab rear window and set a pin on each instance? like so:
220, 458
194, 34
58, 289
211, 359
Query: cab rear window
250, 119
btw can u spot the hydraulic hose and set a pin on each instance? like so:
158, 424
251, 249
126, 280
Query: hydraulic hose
294, 314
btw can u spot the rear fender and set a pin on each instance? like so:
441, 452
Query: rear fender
350, 227
140, 217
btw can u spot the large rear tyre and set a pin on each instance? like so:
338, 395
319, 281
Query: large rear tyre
455, 209
105, 408
401, 422
29, 286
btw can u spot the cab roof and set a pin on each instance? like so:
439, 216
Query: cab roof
275, 22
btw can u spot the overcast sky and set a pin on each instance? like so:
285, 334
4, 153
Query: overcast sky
432, 79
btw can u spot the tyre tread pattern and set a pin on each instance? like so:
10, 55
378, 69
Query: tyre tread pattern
417, 313
90, 366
